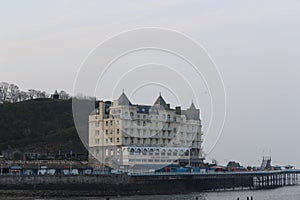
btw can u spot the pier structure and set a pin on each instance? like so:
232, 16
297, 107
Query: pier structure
279, 179
149, 183
230, 180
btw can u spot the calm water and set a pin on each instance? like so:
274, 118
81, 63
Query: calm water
286, 193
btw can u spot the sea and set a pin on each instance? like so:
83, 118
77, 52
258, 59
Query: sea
284, 193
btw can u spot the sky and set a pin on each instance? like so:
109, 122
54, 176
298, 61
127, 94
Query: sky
255, 45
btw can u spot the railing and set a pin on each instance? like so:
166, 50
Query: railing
296, 171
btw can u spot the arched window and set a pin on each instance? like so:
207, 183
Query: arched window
163, 152
175, 153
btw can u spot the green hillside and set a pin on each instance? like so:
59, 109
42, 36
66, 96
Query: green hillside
40, 125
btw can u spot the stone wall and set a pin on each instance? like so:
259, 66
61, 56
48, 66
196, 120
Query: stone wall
95, 185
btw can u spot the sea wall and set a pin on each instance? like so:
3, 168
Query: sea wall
112, 185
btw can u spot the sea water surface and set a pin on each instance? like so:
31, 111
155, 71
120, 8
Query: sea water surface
284, 193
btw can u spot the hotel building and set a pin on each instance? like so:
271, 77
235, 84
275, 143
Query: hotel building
123, 135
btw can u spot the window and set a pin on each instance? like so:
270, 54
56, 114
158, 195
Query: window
156, 152
97, 132
131, 141
118, 139
111, 140
174, 130
144, 152
138, 123
144, 123
144, 116
118, 131
131, 114
151, 152
131, 152
169, 118
111, 123
169, 153
126, 140
138, 116
97, 124
106, 123
106, 131
106, 140
97, 141
174, 118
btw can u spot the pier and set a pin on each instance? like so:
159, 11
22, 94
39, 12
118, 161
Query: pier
147, 183
230, 180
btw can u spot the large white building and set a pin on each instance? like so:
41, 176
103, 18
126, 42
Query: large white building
123, 135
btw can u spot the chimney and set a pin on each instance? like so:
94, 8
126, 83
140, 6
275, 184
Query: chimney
178, 110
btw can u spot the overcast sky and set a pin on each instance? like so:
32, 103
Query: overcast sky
255, 45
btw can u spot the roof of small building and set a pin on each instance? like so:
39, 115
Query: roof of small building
123, 100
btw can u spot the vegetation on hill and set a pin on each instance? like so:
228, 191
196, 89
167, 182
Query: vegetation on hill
39, 125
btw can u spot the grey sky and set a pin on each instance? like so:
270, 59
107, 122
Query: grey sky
255, 44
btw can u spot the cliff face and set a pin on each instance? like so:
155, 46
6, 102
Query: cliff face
39, 126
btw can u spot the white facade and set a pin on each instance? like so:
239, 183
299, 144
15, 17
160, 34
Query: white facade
123, 134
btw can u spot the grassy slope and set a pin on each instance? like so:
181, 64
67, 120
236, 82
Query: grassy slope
39, 125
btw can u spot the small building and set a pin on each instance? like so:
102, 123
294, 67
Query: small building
233, 166
55, 95
16, 170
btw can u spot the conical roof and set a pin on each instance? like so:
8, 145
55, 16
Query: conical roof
123, 100
193, 106
161, 102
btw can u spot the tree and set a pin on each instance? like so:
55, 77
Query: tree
23, 96
3, 91
64, 95
13, 93
31, 93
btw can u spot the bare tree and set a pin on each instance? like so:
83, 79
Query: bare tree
3, 92
64, 95
13, 93
31, 93
23, 96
